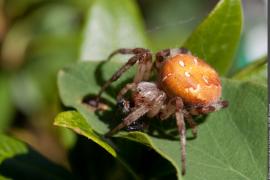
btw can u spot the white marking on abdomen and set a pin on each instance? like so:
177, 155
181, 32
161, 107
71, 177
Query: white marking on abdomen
187, 74
205, 79
195, 61
182, 63
167, 76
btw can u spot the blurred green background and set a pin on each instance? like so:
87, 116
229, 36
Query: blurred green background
38, 37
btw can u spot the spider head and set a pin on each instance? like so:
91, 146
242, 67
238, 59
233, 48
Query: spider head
147, 91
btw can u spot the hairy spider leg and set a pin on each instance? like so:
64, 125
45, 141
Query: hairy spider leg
117, 74
157, 105
208, 109
169, 109
136, 125
164, 54
145, 64
182, 131
124, 90
191, 123
125, 104
133, 116
133, 51
148, 99
144, 69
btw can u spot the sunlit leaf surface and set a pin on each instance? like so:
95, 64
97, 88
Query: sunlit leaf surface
216, 38
10, 147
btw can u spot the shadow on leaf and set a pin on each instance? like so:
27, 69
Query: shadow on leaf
32, 165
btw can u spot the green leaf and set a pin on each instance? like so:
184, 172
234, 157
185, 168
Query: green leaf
75, 83
68, 138
75, 121
10, 147
255, 72
18, 161
112, 25
215, 40
6, 107
232, 143
4, 178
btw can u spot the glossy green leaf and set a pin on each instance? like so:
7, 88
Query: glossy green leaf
112, 25
215, 40
68, 138
256, 72
10, 147
232, 143
75, 121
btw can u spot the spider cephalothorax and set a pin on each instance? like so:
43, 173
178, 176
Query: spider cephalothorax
186, 86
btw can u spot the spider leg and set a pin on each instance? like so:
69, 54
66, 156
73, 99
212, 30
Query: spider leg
123, 103
210, 108
133, 116
157, 105
118, 73
182, 131
164, 54
191, 123
134, 51
161, 56
145, 64
144, 68
124, 90
168, 109
143, 56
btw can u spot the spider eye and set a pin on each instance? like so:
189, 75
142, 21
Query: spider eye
123, 105
120, 104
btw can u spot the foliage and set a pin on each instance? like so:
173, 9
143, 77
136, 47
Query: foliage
224, 142
15, 156
46, 37
217, 37
256, 72
110, 25
6, 105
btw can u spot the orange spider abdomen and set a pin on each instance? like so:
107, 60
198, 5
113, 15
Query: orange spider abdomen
190, 78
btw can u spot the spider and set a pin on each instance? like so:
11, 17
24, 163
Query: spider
185, 86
